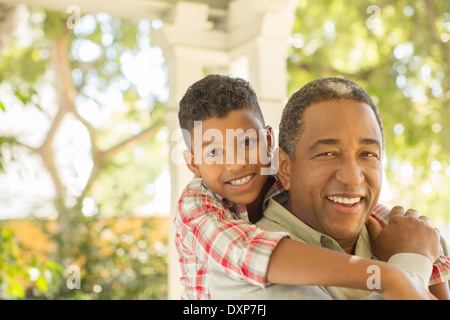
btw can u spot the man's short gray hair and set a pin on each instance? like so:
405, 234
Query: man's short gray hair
319, 90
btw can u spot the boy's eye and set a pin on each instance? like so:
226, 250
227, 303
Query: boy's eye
247, 142
214, 153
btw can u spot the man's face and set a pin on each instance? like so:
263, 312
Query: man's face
335, 179
230, 154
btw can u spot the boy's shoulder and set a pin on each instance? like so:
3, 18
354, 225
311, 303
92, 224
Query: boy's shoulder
197, 200
196, 187
196, 193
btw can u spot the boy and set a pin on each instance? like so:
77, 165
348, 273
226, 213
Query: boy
230, 190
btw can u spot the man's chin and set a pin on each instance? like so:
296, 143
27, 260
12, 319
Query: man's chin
344, 230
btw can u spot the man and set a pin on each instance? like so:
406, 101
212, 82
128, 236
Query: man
331, 146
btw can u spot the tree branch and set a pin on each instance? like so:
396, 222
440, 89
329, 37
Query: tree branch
431, 18
143, 135
105, 156
327, 70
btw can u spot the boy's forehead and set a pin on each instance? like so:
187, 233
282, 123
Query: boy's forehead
235, 125
236, 119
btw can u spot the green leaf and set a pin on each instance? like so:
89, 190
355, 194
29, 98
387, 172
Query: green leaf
15, 290
41, 284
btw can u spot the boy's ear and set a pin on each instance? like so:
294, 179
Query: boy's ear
189, 158
284, 168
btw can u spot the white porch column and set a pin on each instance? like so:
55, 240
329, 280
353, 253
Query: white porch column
258, 35
190, 46
251, 45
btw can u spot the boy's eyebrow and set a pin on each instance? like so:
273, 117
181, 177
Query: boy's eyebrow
207, 143
245, 133
333, 142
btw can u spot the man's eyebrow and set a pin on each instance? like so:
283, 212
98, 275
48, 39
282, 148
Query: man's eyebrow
333, 142
370, 141
327, 142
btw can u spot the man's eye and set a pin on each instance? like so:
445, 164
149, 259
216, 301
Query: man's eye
326, 154
370, 154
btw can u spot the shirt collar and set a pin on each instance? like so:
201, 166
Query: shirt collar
302, 232
277, 190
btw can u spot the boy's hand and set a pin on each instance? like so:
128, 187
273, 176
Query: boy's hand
405, 233
401, 287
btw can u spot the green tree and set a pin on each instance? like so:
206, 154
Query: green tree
82, 65
399, 52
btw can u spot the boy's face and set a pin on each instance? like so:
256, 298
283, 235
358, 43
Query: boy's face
230, 154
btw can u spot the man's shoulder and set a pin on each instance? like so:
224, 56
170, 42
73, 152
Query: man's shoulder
270, 225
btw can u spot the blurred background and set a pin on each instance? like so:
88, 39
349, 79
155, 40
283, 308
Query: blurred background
85, 179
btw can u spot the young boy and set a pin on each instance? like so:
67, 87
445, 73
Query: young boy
230, 158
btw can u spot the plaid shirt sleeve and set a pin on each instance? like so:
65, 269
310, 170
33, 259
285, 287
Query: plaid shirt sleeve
441, 267
206, 232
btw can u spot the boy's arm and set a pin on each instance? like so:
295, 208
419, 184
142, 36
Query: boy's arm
242, 250
320, 266
440, 291
311, 265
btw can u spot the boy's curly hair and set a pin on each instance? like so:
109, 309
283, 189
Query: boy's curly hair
215, 96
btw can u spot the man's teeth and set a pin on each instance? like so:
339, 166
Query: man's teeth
344, 200
241, 181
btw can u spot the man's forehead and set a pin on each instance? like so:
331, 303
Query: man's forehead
339, 117
338, 111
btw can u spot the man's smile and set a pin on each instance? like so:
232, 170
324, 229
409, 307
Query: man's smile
345, 204
344, 199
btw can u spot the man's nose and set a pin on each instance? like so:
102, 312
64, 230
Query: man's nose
350, 173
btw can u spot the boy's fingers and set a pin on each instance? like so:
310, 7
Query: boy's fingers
373, 227
412, 213
397, 211
425, 219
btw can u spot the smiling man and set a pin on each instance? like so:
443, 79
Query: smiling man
331, 146
334, 176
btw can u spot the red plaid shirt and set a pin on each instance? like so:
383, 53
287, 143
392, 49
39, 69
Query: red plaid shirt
210, 229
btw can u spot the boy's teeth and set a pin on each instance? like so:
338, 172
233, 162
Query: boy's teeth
344, 200
241, 181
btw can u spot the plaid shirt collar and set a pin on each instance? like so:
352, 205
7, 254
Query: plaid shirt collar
277, 189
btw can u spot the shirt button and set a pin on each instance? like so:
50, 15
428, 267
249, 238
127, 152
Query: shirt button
327, 242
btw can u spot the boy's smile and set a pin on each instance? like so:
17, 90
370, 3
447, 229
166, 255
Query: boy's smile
231, 155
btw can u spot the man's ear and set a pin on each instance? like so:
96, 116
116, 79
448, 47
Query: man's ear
284, 168
189, 158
